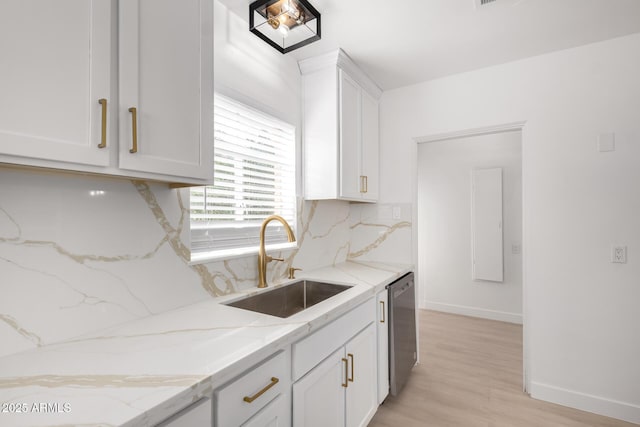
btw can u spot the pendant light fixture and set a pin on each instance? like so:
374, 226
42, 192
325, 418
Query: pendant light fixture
285, 24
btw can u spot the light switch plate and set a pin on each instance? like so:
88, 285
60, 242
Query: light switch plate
619, 254
397, 212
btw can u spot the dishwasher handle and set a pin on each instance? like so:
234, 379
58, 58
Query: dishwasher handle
403, 289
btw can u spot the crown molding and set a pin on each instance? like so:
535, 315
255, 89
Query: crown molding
340, 59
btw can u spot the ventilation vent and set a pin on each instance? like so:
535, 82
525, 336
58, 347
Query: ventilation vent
480, 3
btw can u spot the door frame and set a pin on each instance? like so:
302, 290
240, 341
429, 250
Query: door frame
479, 131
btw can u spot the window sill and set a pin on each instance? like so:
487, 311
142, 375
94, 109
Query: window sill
223, 255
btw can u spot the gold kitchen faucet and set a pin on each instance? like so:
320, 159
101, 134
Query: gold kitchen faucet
263, 258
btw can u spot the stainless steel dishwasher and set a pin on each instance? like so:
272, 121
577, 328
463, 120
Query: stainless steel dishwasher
403, 352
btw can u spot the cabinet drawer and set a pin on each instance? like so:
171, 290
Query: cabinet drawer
311, 350
275, 414
196, 415
261, 384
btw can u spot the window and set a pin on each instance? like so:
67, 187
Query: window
254, 177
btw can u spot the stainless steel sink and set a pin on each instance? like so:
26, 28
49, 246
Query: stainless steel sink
290, 299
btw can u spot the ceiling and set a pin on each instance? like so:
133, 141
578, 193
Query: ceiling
402, 42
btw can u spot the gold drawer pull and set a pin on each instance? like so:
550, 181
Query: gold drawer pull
134, 129
273, 382
346, 373
383, 310
353, 367
103, 136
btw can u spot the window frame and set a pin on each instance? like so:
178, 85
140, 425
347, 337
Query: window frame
203, 256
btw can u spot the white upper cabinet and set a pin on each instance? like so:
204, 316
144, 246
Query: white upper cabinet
65, 105
165, 74
349, 137
370, 147
54, 68
341, 142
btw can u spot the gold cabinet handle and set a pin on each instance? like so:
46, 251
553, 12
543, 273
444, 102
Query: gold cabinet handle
273, 382
346, 373
103, 136
366, 184
134, 129
353, 367
362, 184
383, 312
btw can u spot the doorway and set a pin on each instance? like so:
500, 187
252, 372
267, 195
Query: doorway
447, 244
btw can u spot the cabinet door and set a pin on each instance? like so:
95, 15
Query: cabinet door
275, 414
349, 101
55, 61
383, 345
370, 147
196, 415
362, 393
319, 397
166, 61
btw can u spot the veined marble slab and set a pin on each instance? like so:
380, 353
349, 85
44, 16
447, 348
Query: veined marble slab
143, 371
84, 253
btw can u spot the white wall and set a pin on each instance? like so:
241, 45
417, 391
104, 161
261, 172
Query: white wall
246, 67
580, 311
444, 220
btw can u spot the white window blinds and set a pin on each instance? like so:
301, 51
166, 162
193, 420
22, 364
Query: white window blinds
254, 177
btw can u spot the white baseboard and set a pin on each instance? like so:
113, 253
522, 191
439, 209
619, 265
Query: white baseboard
483, 313
586, 402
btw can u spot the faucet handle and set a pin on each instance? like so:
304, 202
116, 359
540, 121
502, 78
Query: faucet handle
270, 258
292, 272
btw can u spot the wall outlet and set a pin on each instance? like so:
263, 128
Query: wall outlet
619, 254
606, 142
516, 249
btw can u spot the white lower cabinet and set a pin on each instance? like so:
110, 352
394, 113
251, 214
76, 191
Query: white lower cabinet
342, 389
383, 345
337, 372
258, 397
196, 415
275, 414
318, 400
361, 393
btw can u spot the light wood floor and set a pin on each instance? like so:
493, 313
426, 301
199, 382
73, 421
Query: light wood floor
470, 375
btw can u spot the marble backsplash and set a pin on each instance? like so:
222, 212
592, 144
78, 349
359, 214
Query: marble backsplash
380, 232
81, 253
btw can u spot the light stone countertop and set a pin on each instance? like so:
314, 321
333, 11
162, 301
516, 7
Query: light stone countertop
139, 373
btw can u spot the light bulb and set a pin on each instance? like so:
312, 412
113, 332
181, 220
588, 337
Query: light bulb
284, 30
288, 8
